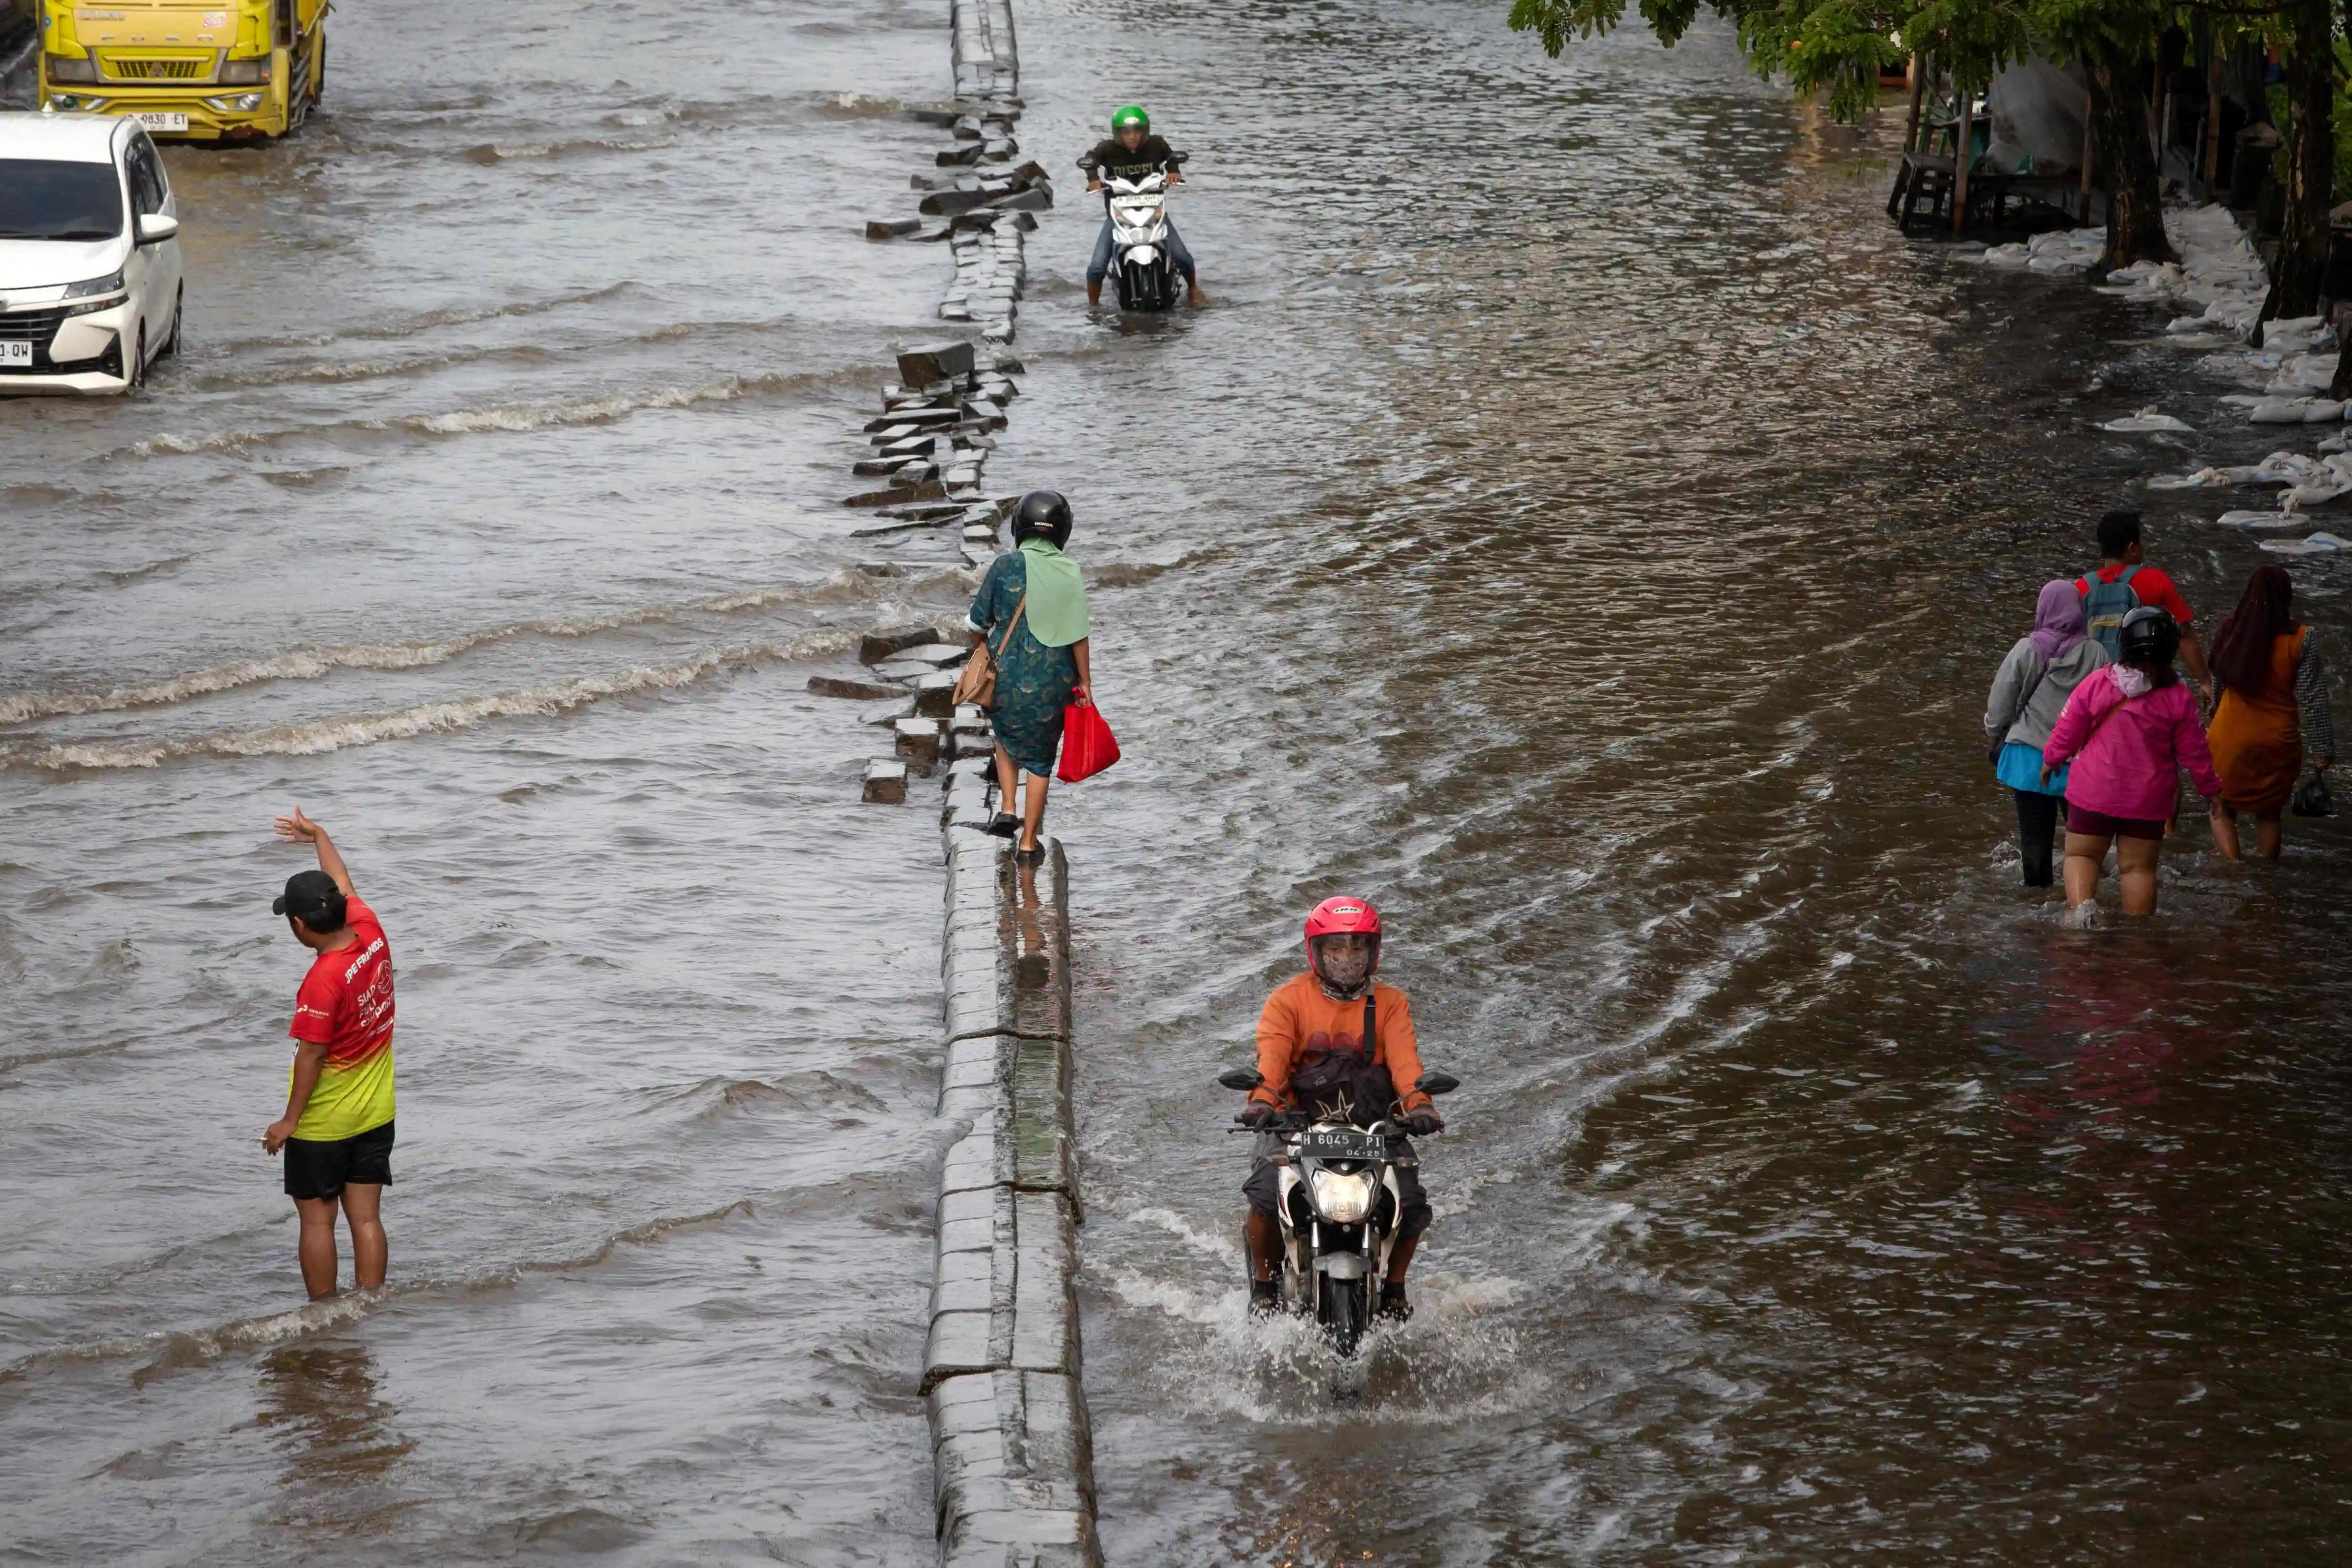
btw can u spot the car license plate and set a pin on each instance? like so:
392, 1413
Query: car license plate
159, 121
18, 353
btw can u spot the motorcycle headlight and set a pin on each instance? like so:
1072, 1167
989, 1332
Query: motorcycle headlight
63, 67
237, 71
1341, 1197
110, 284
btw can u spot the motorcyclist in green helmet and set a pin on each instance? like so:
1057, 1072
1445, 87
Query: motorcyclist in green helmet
1129, 152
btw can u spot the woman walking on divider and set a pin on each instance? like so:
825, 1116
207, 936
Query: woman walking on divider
1030, 613
2273, 704
2030, 691
2128, 730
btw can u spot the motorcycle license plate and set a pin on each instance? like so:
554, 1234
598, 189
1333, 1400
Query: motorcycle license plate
156, 119
20, 353
1341, 1144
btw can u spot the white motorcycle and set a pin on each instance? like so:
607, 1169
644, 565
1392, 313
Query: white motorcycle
1339, 1205
1139, 261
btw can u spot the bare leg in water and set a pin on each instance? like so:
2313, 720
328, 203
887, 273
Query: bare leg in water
2086, 855
317, 1247
362, 1212
2135, 861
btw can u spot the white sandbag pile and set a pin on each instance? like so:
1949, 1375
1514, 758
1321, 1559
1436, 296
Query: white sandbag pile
2147, 421
2317, 544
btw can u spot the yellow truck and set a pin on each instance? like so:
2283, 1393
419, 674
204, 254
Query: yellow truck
201, 70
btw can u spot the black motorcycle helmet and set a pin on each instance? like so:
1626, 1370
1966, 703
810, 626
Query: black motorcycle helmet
2149, 638
1042, 515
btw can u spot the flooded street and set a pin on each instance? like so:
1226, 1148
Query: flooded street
1582, 526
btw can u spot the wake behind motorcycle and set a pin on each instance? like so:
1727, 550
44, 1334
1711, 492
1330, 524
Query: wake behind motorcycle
1339, 1208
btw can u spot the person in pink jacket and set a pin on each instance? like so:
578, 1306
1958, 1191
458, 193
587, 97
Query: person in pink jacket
2129, 728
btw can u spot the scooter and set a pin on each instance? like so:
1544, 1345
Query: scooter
1140, 262
1338, 1207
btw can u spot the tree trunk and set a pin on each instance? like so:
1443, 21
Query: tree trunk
2135, 195
2303, 239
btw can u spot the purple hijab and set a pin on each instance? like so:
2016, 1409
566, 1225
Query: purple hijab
2057, 621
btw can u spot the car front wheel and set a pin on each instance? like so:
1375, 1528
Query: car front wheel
139, 362
170, 347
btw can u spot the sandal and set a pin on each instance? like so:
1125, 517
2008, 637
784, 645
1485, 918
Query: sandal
1004, 824
1036, 855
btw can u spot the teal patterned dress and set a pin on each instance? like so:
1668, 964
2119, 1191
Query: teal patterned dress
1034, 682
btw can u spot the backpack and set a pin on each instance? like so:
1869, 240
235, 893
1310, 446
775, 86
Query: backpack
2104, 607
1352, 1085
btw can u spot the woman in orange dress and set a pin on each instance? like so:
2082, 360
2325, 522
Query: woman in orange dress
2273, 704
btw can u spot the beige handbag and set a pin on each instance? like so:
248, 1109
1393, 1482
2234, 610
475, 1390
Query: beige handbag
978, 681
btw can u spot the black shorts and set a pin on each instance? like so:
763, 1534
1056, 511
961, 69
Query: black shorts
315, 1169
1263, 1191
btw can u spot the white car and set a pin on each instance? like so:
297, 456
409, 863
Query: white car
89, 254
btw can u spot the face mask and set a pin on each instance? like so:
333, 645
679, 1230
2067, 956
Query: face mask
1342, 966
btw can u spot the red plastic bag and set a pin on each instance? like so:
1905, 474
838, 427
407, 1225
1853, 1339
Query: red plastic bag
1088, 745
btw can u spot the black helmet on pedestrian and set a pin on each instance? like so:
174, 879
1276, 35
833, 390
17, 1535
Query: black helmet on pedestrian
1042, 515
2149, 638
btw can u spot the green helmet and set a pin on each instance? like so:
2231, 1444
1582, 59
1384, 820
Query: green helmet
1130, 115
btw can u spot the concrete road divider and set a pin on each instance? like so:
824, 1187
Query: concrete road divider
1002, 1370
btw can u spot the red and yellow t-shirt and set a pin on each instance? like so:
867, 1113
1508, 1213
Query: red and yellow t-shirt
345, 1005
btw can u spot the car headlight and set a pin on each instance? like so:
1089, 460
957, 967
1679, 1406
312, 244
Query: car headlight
247, 101
237, 71
110, 284
1340, 1197
63, 67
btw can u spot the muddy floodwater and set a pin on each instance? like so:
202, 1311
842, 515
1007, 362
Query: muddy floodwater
1582, 526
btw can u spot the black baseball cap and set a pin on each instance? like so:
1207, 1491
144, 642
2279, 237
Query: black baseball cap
312, 898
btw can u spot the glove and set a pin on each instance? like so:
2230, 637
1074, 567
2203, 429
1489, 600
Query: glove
1256, 1113
1422, 1122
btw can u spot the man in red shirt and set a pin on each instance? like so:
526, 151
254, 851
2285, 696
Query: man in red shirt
1314, 1022
2122, 566
337, 1130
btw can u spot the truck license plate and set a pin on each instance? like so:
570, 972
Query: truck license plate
159, 121
18, 353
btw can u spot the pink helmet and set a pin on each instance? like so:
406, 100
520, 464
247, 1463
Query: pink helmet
1343, 917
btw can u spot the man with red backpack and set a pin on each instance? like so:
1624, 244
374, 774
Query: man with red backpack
1311, 1052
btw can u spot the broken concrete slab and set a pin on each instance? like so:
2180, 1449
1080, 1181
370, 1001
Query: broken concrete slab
935, 694
908, 420
891, 228
842, 686
931, 490
885, 783
917, 743
929, 362
883, 642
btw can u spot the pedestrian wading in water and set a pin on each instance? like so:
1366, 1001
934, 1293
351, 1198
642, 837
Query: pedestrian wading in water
1030, 613
2127, 730
337, 1130
2274, 705
2122, 583
2028, 693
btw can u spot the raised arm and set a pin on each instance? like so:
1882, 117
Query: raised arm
299, 829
